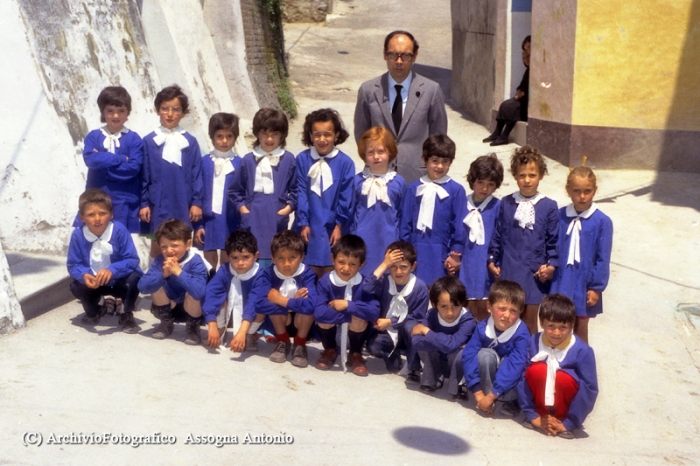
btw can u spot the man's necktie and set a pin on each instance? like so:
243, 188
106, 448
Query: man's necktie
397, 109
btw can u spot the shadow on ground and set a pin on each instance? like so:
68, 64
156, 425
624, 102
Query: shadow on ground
429, 440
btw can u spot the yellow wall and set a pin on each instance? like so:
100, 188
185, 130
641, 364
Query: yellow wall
637, 64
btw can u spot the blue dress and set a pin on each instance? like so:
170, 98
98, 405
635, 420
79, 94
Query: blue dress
447, 234
217, 295
520, 251
378, 225
363, 305
474, 271
267, 280
192, 280
263, 221
593, 271
167, 188
116, 174
217, 227
323, 213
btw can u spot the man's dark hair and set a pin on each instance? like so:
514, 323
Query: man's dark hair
400, 33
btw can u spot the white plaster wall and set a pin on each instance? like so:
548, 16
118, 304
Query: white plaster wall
521, 25
11, 316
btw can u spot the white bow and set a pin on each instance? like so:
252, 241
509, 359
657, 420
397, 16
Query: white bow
101, 249
429, 189
574, 231
525, 213
289, 286
553, 356
264, 182
375, 187
477, 233
174, 143
337, 281
320, 172
234, 307
490, 332
398, 307
111, 142
222, 167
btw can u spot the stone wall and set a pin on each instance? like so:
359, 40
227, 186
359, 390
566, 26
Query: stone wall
306, 11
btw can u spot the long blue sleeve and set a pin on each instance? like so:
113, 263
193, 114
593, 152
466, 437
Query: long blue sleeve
439, 340
603, 249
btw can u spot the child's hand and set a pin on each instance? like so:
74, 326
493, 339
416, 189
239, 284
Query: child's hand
195, 214
238, 343
452, 264
171, 267
486, 403
419, 329
244, 210
392, 257
90, 281
275, 297
302, 293
538, 422
145, 215
495, 271
199, 237
553, 425
545, 273
213, 335
335, 236
592, 298
339, 305
382, 324
305, 232
286, 210
103, 277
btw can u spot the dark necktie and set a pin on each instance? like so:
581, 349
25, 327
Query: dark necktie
397, 109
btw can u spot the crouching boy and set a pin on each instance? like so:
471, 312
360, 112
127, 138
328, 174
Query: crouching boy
102, 260
494, 357
560, 385
287, 293
227, 298
177, 280
440, 337
342, 302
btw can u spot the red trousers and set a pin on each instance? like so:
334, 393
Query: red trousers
565, 388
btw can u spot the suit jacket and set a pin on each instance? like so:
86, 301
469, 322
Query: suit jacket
423, 116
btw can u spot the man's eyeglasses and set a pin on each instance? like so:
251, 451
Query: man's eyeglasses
393, 56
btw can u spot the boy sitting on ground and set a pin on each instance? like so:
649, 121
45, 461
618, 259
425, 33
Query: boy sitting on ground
102, 260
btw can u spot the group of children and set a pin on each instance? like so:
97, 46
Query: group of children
369, 262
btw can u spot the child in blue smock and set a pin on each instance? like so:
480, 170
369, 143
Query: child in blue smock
342, 302
176, 280
441, 335
401, 295
484, 177
286, 293
113, 155
559, 387
524, 245
378, 191
325, 179
585, 239
171, 179
228, 300
264, 191
433, 210
218, 170
102, 260
494, 357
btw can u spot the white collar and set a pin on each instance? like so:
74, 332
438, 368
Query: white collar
454, 322
245, 276
406, 84
276, 152
506, 335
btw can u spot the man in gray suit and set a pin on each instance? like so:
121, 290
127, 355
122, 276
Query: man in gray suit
411, 106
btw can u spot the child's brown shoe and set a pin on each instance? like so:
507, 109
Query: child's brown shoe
251, 343
358, 364
300, 357
328, 357
279, 354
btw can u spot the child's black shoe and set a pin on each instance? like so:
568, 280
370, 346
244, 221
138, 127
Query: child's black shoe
510, 409
128, 324
413, 377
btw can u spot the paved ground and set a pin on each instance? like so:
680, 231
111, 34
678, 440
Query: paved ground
57, 377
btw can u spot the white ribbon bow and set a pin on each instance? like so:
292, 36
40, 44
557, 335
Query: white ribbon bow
429, 189
174, 141
477, 233
234, 305
375, 187
337, 281
574, 231
553, 356
398, 307
111, 142
490, 332
222, 167
320, 172
525, 213
289, 286
101, 249
264, 182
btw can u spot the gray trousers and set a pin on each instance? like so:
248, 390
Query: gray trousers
488, 366
436, 364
